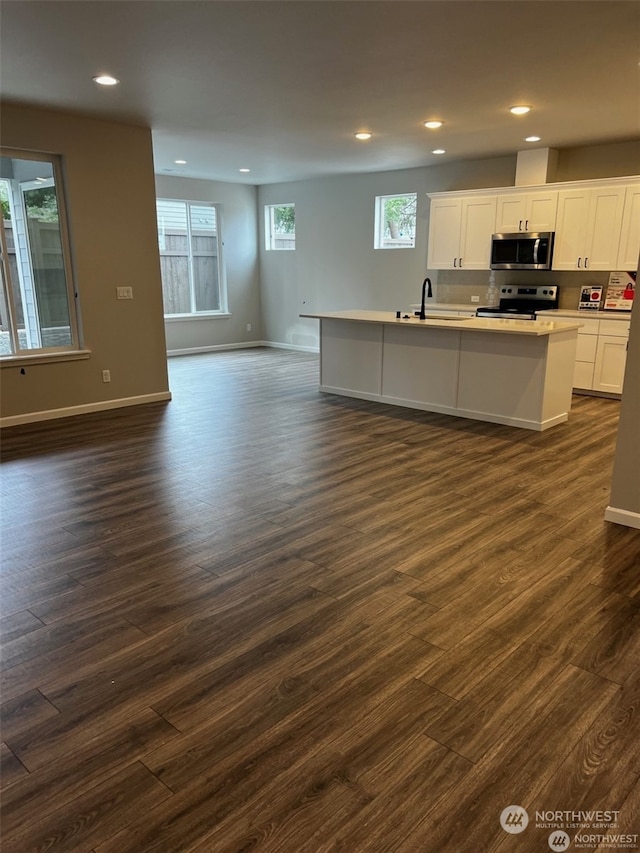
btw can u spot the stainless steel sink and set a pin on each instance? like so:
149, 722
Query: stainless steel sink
440, 317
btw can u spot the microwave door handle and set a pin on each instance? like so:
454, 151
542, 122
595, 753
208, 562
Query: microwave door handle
536, 246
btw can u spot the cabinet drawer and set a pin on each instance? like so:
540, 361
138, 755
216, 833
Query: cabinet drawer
589, 327
586, 347
615, 328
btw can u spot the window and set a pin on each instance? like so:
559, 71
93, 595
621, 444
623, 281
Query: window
190, 258
395, 221
280, 226
37, 305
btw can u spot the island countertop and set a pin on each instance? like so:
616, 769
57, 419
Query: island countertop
513, 372
535, 328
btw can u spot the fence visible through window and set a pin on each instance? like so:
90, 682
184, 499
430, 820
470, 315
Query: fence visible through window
189, 246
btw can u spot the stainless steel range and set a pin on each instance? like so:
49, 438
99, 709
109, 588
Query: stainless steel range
521, 303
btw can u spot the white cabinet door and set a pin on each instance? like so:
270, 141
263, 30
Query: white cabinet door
535, 211
583, 375
445, 216
571, 231
611, 358
478, 223
542, 210
460, 230
588, 229
603, 228
630, 235
511, 213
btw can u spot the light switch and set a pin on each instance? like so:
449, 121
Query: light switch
124, 292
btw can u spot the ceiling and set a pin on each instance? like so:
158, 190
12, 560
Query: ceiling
281, 87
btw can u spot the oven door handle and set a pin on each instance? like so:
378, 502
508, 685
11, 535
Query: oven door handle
536, 246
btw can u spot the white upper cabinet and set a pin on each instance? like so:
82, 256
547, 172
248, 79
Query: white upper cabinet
630, 237
444, 233
460, 230
588, 228
534, 211
596, 223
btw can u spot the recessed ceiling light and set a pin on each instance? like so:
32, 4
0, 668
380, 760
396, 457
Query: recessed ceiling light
438, 151
180, 162
519, 110
106, 80
363, 134
433, 124
244, 170
532, 139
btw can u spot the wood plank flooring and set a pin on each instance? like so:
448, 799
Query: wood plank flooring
261, 618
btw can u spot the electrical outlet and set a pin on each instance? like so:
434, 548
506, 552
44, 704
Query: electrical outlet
248, 327
475, 299
124, 292
106, 376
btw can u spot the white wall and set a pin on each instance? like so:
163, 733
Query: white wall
238, 208
335, 265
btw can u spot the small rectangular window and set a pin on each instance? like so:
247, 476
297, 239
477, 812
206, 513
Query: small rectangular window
395, 221
280, 226
37, 297
190, 258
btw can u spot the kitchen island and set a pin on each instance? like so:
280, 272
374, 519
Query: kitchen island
514, 372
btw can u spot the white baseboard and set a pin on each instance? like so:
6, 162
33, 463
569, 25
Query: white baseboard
84, 409
278, 345
242, 345
214, 348
622, 516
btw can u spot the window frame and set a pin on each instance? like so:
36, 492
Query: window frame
379, 239
74, 349
223, 311
269, 227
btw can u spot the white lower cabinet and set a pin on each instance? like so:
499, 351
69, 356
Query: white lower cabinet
601, 353
611, 358
586, 355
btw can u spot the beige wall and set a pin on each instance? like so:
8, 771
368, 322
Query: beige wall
110, 195
614, 160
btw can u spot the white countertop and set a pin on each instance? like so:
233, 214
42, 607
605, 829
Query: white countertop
591, 315
565, 312
535, 328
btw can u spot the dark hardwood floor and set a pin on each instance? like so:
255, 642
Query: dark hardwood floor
260, 618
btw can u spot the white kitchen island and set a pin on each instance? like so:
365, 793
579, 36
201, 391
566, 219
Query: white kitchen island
515, 372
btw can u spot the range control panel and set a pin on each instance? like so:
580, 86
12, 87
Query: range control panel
515, 291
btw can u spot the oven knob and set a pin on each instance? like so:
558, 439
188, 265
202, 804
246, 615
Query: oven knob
544, 292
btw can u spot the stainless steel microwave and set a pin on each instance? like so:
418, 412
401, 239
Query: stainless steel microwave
522, 251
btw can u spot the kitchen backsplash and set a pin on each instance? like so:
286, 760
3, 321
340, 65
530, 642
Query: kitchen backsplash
460, 285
